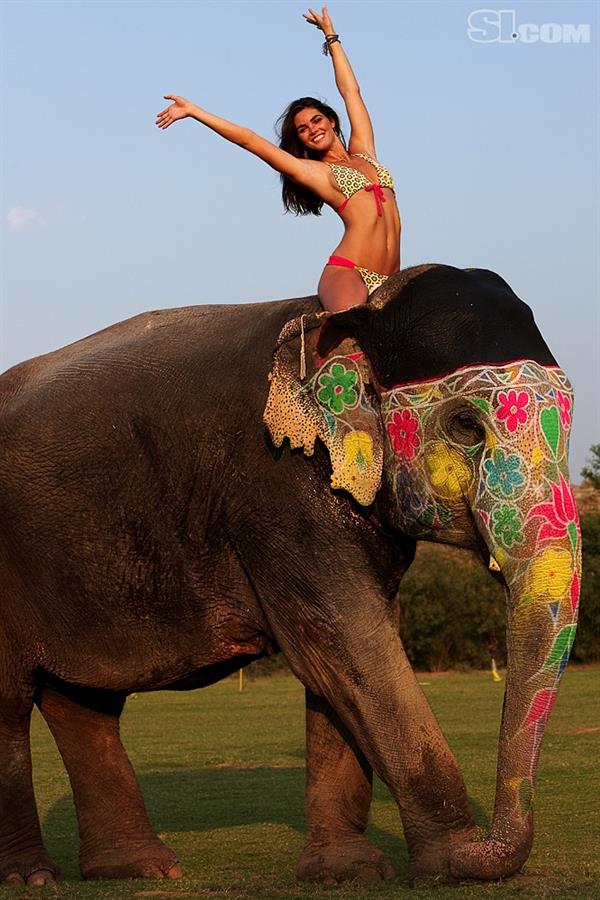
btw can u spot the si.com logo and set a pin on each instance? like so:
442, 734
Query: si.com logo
487, 26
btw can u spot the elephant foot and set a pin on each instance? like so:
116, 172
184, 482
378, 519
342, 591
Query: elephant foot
343, 857
494, 857
35, 870
150, 860
431, 859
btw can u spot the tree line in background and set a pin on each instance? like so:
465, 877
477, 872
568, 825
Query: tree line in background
591, 471
453, 613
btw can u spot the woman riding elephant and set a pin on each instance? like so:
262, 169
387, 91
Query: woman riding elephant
317, 168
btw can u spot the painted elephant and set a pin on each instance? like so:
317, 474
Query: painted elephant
155, 535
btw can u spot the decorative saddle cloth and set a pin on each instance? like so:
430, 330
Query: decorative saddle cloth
326, 396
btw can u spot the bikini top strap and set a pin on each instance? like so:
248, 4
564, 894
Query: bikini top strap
369, 159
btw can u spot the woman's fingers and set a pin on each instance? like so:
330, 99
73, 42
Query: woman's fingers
314, 18
165, 116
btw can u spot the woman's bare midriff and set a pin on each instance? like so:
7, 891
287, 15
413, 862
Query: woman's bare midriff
371, 241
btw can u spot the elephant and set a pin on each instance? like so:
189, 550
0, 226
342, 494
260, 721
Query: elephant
168, 516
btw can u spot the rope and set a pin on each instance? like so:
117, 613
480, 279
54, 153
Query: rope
302, 351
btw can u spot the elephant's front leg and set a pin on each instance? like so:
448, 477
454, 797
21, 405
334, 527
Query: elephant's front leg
364, 674
335, 621
339, 787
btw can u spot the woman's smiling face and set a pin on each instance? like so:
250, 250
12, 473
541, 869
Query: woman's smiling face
314, 129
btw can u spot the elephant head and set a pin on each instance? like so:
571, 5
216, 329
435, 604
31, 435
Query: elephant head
442, 398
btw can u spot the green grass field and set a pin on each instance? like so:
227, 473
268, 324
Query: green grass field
222, 774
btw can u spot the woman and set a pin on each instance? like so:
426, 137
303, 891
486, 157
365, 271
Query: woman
316, 168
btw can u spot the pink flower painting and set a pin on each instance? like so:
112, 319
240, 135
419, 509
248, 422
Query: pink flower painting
512, 408
564, 408
561, 517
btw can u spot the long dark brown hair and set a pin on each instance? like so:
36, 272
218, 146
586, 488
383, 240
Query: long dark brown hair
296, 198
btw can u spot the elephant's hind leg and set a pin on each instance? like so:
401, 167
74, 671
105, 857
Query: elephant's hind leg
117, 840
339, 787
23, 857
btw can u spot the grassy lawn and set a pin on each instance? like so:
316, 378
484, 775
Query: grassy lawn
222, 774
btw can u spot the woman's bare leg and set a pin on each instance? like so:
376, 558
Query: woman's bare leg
340, 288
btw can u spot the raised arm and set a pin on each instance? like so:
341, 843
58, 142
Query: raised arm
362, 138
304, 171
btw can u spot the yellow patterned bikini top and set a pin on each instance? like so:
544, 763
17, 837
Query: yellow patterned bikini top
350, 181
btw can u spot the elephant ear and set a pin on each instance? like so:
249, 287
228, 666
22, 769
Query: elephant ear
331, 397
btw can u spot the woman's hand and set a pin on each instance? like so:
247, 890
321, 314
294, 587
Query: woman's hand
323, 22
180, 109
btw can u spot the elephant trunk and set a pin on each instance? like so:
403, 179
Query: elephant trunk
542, 570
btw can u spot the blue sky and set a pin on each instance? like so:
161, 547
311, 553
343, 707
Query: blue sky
494, 147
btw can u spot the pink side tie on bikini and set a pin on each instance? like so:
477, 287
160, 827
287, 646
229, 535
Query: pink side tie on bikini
377, 194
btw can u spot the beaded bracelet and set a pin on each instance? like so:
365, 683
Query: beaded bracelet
330, 39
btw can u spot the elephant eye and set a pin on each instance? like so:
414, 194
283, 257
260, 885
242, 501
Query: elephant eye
465, 429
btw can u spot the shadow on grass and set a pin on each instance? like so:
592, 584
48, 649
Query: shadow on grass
209, 799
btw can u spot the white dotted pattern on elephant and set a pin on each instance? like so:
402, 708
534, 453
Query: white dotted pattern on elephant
331, 403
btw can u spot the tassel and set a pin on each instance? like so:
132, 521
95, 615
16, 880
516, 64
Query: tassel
302, 351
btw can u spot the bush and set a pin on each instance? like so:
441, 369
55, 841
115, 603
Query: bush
587, 643
267, 665
452, 612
